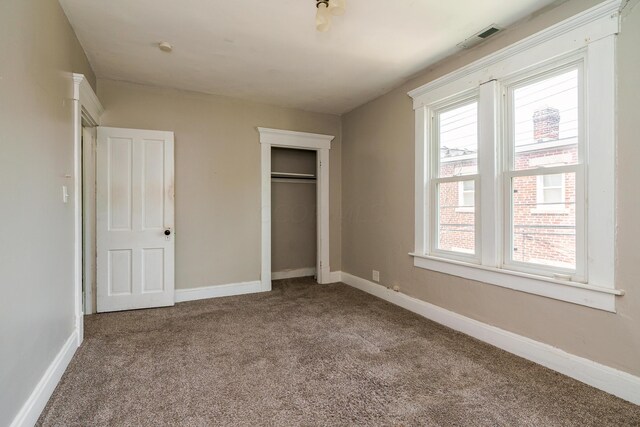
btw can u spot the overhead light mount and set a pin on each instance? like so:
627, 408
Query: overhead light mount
326, 9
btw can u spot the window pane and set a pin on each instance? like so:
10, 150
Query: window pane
544, 232
546, 124
458, 140
456, 225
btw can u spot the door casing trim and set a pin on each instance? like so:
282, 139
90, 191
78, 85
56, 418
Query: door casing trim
303, 141
88, 109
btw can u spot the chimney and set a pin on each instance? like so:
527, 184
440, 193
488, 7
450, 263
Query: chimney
546, 124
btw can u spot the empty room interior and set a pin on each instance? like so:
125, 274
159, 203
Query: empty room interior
319, 212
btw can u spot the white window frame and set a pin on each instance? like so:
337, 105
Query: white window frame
435, 180
591, 36
573, 60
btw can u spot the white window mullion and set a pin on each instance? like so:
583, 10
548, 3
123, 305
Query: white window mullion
487, 193
422, 182
600, 215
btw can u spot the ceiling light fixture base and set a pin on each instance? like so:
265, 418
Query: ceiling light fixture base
325, 9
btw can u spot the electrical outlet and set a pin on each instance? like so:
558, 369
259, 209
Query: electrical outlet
376, 276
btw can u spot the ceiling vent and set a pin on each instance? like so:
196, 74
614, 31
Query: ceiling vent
479, 37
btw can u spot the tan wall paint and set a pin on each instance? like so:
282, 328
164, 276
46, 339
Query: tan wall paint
217, 168
378, 213
293, 212
39, 51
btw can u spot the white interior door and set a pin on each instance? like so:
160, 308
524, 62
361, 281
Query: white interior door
134, 219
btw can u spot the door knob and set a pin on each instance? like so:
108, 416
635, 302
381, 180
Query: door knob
167, 232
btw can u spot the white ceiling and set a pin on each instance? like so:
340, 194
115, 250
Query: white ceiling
269, 50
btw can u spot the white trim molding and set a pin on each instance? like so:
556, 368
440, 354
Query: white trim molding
289, 138
290, 274
610, 380
32, 408
87, 109
305, 141
217, 291
89, 102
335, 277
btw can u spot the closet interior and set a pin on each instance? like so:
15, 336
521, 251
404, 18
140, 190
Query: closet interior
293, 213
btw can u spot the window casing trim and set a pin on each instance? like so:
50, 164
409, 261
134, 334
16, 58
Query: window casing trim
590, 35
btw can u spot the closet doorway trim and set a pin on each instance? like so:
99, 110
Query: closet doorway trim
304, 141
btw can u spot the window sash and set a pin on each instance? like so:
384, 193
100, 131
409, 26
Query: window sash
525, 78
434, 180
435, 146
434, 240
579, 273
533, 75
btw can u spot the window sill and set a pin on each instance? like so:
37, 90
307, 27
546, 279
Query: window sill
577, 293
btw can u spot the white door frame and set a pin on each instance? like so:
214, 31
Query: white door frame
304, 141
87, 109
89, 141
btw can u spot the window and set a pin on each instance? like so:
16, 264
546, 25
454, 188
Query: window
505, 165
455, 147
542, 117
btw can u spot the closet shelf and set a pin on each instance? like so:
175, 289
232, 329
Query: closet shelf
290, 175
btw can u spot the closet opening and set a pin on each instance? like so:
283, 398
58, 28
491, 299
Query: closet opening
302, 144
294, 223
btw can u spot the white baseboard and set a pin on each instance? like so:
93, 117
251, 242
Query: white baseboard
289, 274
191, 294
616, 382
32, 408
335, 277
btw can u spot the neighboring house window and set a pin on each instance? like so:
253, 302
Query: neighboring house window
550, 193
502, 178
466, 195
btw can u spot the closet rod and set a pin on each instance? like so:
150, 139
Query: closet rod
293, 175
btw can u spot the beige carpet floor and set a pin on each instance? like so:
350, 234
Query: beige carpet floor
308, 354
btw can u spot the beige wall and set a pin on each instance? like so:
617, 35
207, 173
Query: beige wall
217, 169
293, 211
38, 53
378, 213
